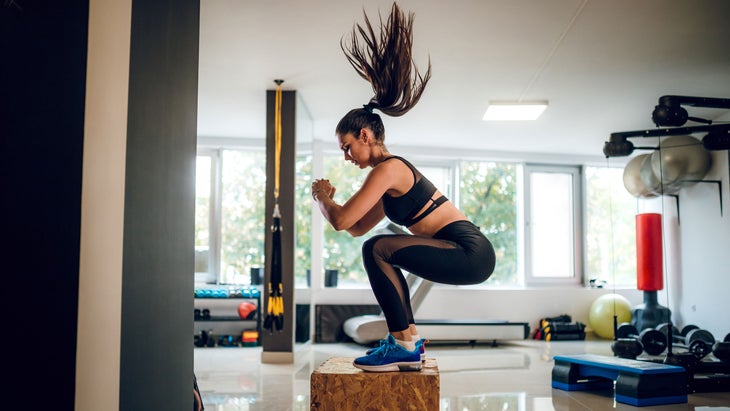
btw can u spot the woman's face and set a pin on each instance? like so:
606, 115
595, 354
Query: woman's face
356, 150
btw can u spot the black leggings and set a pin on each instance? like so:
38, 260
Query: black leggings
457, 254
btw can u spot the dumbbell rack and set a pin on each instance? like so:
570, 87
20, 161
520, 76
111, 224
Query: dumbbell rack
703, 374
222, 319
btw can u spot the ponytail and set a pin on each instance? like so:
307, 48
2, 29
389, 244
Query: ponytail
386, 62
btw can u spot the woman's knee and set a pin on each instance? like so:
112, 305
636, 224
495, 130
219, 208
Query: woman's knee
369, 248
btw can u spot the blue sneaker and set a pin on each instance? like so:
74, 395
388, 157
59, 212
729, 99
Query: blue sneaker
389, 356
420, 347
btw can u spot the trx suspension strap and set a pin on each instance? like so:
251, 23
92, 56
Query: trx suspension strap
275, 305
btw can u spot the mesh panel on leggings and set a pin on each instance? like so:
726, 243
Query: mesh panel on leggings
384, 256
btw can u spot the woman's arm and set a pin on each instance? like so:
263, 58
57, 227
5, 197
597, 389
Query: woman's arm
370, 220
362, 211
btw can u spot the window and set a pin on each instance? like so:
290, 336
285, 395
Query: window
341, 251
544, 231
303, 220
552, 224
610, 235
242, 231
488, 197
204, 183
229, 211
440, 176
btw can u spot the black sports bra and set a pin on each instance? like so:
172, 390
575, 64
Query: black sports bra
402, 209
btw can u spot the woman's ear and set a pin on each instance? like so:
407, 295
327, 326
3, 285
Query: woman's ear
364, 134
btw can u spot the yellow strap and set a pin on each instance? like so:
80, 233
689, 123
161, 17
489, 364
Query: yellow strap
277, 137
270, 305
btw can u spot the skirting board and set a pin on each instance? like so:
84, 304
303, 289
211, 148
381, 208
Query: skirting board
472, 330
367, 329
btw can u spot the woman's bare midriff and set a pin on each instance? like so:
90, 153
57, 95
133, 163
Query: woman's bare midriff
439, 218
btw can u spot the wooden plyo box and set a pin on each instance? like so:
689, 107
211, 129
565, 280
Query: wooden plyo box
337, 385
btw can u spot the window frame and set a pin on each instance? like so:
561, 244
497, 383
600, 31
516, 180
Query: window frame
214, 147
576, 173
211, 276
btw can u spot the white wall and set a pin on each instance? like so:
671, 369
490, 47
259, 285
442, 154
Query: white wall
702, 290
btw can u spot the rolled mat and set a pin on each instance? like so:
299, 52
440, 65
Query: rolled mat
649, 267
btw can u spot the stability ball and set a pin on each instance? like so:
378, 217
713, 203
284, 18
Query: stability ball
632, 178
602, 311
681, 157
653, 182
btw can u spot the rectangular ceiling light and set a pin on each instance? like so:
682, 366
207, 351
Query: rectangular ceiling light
514, 110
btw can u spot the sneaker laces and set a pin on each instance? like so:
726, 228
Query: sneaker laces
386, 346
377, 347
383, 349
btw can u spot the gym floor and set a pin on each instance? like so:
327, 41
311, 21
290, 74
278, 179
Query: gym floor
514, 375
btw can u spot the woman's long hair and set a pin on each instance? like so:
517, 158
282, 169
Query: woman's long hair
386, 62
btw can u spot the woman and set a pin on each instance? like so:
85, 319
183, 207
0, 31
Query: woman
445, 247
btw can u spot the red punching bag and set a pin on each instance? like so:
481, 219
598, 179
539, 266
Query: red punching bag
649, 266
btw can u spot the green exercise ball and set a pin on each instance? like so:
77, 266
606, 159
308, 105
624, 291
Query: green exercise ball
602, 311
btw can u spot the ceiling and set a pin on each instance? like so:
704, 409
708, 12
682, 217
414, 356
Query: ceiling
602, 65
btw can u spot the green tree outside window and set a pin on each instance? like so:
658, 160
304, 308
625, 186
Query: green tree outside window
487, 195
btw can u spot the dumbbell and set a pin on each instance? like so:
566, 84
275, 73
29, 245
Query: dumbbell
204, 339
697, 341
652, 342
721, 349
627, 348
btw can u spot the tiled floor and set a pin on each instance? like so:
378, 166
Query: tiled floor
515, 375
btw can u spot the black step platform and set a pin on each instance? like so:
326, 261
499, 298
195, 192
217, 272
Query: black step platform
637, 383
